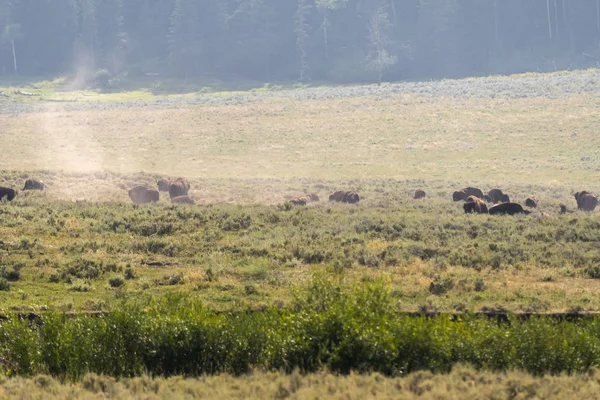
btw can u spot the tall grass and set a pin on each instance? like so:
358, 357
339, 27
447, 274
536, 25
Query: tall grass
333, 325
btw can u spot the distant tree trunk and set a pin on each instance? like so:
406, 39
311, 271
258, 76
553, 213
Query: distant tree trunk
549, 20
302, 32
12, 42
555, 20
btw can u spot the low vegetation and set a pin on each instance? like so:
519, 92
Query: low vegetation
84, 255
461, 382
331, 324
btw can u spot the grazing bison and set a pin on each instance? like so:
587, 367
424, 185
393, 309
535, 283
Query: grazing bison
507, 208
531, 202
345, 197
471, 191
163, 184
351, 197
337, 196
419, 194
7, 193
182, 200
143, 195
487, 198
505, 199
495, 195
459, 195
476, 205
179, 187
313, 197
586, 201
33, 184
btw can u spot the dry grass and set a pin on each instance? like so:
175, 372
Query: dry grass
497, 141
461, 383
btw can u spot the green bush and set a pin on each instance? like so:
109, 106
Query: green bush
4, 285
334, 325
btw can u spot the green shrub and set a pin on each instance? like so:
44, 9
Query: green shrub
4, 285
116, 282
441, 285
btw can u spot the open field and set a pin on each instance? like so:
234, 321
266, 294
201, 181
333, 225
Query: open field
461, 383
82, 246
245, 153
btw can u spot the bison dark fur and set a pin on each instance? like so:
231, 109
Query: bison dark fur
419, 194
507, 208
33, 184
178, 187
7, 193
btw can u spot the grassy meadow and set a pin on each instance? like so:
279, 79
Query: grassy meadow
82, 246
461, 383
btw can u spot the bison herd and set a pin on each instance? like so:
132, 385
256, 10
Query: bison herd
178, 192
475, 201
493, 202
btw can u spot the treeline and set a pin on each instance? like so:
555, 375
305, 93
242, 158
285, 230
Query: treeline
276, 40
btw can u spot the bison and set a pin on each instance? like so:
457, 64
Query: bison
531, 202
182, 200
143, 195
345, 197
163, 184
563, 209
419, 194
476, 205
179, 187
507, 208
471, 191
337, 196
351, 197
495, 195
459, 195
313, 197
33, 184
586, 201
7, 193
505, 199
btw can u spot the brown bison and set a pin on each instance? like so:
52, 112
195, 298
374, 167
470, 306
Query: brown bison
476, 205
179, 187
495, 195
163, 184
345, 197
531, 202
313, 197
419, 194
182, 200
33, 184
143, 195
459, 195
507, 208
7, 193
586, 201
471, 191
337, 196
351, 197
505, 199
